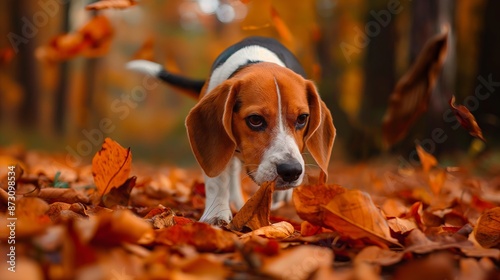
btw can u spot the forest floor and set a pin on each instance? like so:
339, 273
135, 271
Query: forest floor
114, 219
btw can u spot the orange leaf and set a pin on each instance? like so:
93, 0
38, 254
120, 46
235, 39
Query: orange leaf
279, 230
146, 51
354, 215
487, 230
411, 95
427, 160
111, 166
466, 119
111, 4
309, 199
281, 26
256, 211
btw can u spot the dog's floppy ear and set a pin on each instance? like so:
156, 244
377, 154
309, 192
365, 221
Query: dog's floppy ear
209, 128
321, 132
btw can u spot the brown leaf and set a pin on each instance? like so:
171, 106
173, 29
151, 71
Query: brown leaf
487, 230
354, 215
279, 230
121, 195
411, 95
427, 160
111, 166
256, 211
466, 119
204, 237
379, 256
111, 4
60, 195
309, 199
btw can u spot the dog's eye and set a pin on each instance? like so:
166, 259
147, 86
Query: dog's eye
256, 122
301, 121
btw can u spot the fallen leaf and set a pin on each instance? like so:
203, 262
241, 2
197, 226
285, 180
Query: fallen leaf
279, 230
487, 230
379, 256
310, 199
427, 160
256, 211
466, 119
402, 225
111, 166
111, 4
297, 263
354, 215
120, 226
60, 195
119, 196
411, 95
204, 237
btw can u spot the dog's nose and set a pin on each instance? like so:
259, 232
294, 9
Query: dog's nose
289, 172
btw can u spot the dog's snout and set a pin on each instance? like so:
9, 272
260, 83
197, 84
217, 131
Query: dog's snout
289, 172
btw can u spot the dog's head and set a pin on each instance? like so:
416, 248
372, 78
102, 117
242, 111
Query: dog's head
265, 115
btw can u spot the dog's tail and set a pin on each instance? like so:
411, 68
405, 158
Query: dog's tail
191, 87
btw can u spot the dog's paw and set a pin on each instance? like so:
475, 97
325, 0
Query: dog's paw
222, 219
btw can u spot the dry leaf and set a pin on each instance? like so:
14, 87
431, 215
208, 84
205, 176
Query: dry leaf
92, 40
111, 4
377, 255
59, 195
256, 211
487, 230
120, 226
411, 95
401, 225
466, 119
119, 196
298, 262
204, 237
354, 215
111, 166
427, 160
281, 26
309, 199
279, 230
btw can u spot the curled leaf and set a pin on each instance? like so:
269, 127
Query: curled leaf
466, 119
256, 211
279, 230
411, 95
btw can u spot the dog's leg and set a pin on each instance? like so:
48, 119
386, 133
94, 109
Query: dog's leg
280, 198
235, 195
217, 209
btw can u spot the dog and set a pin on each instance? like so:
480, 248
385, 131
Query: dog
256, 112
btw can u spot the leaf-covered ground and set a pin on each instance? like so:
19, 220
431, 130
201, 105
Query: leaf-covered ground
118, 219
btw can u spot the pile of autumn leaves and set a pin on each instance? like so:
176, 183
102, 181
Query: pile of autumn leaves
103, 223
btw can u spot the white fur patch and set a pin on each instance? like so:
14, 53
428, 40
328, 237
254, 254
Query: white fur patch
238, 59
282, 149
144, 66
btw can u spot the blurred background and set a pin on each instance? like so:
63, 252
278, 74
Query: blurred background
63, 85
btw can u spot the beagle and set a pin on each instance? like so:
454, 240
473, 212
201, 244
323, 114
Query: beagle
256, 112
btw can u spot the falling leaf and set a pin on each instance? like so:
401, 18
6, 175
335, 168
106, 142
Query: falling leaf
111, 166
281, 26
466, 119
487, 230
92, 40
111, 4
279, 230
354, 215
411, 95
256, 211
146, 51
